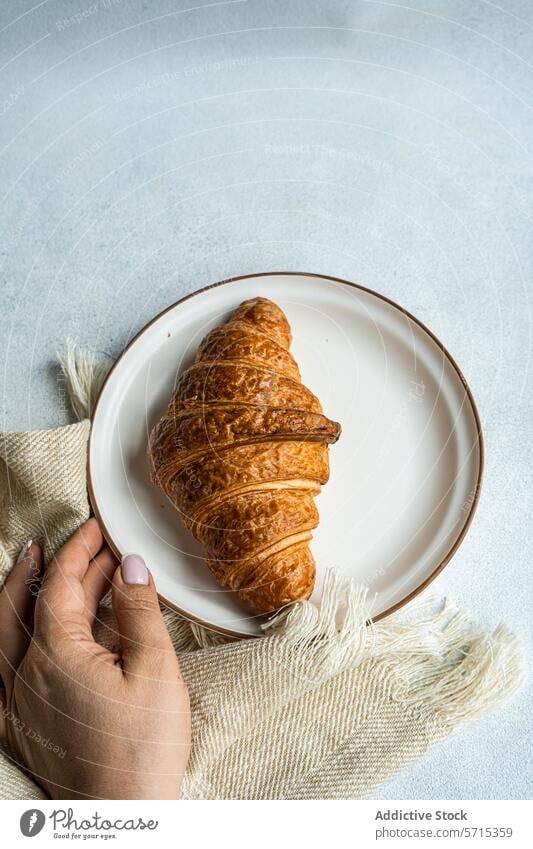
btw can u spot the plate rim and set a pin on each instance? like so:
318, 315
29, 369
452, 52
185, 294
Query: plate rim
225, 281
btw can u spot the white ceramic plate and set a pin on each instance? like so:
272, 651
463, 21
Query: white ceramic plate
405, 474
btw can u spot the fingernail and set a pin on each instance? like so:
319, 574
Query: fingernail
133, 569
24, 551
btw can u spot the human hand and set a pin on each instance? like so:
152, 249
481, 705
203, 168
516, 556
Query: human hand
84, 721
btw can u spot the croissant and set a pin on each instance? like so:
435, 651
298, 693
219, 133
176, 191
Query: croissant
241, 452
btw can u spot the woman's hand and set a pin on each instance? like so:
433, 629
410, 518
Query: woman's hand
86, 722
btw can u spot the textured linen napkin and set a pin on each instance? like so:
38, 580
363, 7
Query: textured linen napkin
323, 706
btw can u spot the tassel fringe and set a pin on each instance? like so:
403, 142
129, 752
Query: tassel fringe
443, 660
85, 375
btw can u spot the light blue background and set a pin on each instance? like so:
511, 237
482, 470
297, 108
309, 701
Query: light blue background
149, 148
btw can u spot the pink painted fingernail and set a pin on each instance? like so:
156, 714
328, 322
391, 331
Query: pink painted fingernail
24, 551
133, 569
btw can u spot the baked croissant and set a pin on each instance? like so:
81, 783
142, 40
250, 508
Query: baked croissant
241, 452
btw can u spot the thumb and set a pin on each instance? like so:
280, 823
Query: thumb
145, 642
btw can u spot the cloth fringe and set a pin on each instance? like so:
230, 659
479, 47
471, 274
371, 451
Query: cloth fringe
85, 374
445, 661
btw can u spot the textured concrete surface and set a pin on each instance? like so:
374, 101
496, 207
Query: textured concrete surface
148, 148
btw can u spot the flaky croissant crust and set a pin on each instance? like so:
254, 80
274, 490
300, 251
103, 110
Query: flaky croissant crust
241, 451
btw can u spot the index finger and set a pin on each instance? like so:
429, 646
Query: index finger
61, 606
73, 558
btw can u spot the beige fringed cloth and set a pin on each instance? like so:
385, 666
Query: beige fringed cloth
323, 706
